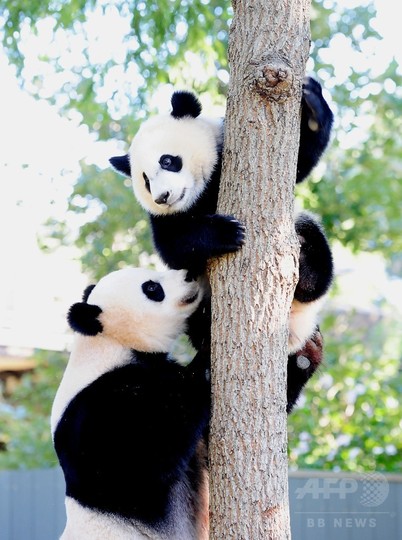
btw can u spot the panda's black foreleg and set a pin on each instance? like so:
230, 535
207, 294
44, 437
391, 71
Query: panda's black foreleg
315, 128
301, 367
199, 370
188, 241
315, 278
315, 263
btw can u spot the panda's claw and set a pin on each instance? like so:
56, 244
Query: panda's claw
229, 234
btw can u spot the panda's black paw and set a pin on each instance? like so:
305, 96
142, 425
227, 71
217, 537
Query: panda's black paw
229, 234
318, 112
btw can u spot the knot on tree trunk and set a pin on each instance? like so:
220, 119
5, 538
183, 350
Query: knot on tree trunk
273, 78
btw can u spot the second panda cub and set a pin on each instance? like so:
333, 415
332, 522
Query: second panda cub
128, 420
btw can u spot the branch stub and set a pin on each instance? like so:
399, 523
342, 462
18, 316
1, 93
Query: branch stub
273, 79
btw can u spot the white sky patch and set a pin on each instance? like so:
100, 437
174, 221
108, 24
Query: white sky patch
39, 162
363, 282
388, 24
374, 54
106, 28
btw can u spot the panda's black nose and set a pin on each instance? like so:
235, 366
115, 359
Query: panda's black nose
192, 275
163, 198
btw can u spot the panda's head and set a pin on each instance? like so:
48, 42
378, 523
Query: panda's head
172, 157
141, 309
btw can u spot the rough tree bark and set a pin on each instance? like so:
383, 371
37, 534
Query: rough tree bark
252, 291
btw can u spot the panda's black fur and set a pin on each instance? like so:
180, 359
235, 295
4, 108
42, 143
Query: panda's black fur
129, 432
113, 407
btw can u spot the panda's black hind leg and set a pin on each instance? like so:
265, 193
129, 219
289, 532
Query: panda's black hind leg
301, 367
315, 263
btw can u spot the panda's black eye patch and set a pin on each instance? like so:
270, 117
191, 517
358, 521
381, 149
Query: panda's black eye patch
153, 291
171, 163
146, 180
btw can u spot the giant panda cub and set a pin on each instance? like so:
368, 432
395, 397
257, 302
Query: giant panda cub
175, 165
128, 420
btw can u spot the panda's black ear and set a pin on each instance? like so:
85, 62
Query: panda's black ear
185, 104
87, 292
83, 318
121, 164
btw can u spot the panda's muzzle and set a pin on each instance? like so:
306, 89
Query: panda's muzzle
163, 198
166, 198
190, 299
192, 295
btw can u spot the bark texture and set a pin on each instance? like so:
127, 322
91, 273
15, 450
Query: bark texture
252, 291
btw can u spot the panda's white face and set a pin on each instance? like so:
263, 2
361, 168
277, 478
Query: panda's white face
144, 309
171, 160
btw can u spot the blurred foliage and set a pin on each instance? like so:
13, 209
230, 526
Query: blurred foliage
118, 232
158, 36
103, 249
24, 417
350, 416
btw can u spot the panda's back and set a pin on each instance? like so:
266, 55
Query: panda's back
125, 453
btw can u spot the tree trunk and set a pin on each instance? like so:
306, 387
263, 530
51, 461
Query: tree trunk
252, 291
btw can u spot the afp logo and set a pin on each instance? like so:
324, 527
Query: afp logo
370, 489
374, 490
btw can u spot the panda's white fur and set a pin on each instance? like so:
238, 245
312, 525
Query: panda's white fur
302, 323
143, 325
202, 137
129, 320
87, 524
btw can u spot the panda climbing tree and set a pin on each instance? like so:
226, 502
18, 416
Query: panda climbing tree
268, 50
